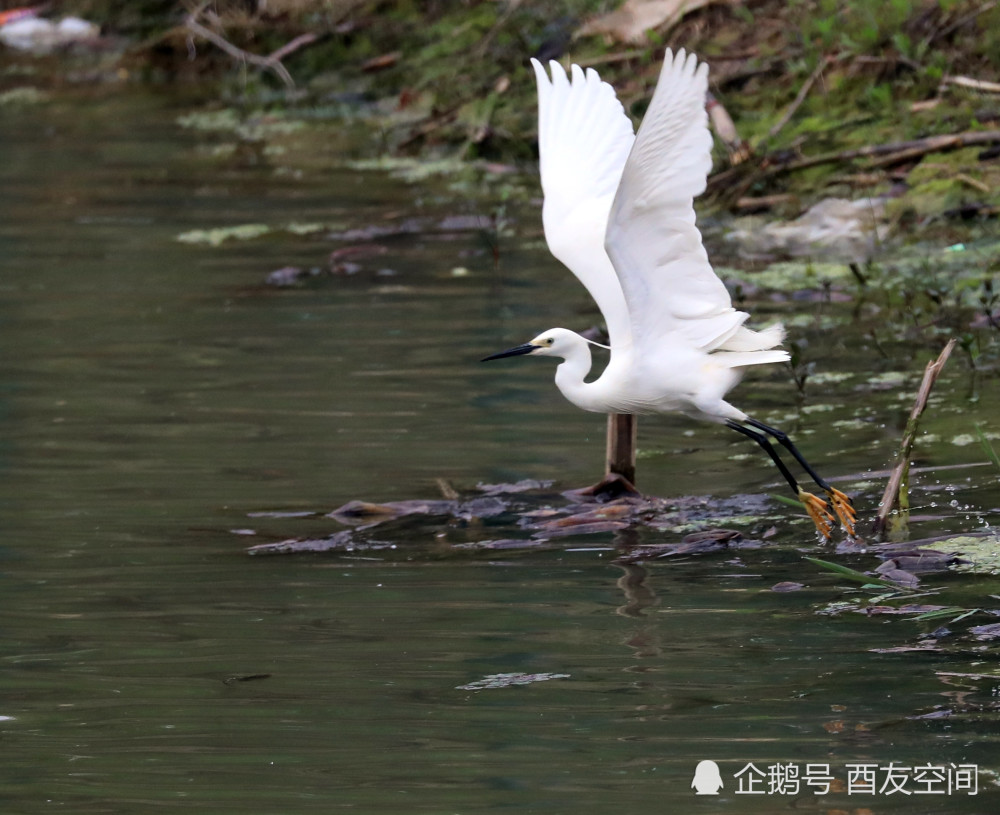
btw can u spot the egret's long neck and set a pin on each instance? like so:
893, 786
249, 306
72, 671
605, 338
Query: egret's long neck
571, 373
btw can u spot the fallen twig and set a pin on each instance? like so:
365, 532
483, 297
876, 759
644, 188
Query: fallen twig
738, 179
975, 84
898, 150
895, 495
800, 97
765, 202
946, 32
975, 183
501, 21
292, 45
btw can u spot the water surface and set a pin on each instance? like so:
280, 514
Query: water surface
156, 397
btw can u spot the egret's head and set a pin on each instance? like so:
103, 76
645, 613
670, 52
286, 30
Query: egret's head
556, 342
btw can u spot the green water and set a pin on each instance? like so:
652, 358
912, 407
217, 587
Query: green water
155, 397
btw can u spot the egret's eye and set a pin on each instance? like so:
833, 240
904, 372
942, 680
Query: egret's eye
549, 340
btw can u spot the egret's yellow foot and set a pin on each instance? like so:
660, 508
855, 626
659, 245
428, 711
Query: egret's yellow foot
818, 511
845, 510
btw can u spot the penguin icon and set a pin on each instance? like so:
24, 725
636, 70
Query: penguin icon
707, 778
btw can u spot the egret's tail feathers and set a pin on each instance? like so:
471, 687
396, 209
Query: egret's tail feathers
746, 340
740, 359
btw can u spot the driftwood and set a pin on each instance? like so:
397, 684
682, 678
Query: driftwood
895, 495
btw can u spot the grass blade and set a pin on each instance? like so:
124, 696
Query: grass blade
987, 447
854, 574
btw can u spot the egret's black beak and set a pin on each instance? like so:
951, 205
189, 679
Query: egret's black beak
516, 351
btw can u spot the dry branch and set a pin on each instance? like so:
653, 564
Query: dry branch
272, 62
882, 155
893, 151
895, 495
946, 32
975, 84
764, 202
292, 46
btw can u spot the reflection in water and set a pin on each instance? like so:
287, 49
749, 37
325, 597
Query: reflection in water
638, 593
639, 596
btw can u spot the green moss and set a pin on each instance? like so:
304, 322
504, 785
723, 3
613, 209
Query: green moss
929, 198
791, 275
979, 555
944, 165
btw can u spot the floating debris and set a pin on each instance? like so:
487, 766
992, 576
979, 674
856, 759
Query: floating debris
503, 543
219, 235
229, 680
986, 633
525, 485
900, 577
923, 561
509, 680
698, 543
342, 541
940, 713
454, 522
284, 513
908, 609
292, 276
480, 508
354, 513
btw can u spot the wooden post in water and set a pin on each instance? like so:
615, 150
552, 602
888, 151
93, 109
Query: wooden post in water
621, 445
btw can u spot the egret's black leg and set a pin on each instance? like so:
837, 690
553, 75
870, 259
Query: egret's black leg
816, 507
765, 445
782, 438
841, 503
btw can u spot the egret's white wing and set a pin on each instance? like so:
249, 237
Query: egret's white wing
669, 285
584, 138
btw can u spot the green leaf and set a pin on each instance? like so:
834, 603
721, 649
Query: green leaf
854, 574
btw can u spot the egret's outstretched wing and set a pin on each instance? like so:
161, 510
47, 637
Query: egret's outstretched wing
669, 285
584, 138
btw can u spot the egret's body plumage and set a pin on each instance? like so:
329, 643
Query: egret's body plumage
619, 213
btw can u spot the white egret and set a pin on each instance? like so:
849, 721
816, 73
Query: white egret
618, 212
